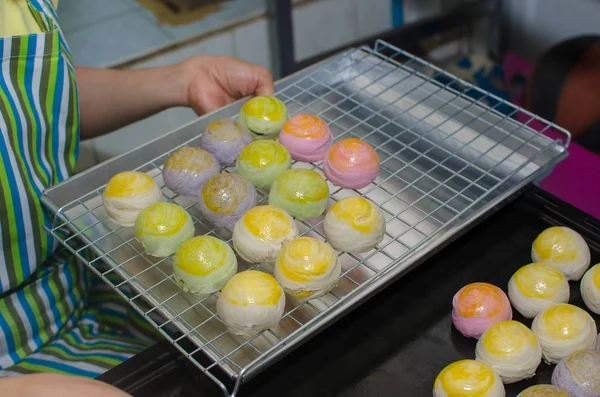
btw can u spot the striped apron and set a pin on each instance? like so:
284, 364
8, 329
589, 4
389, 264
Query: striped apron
55, 316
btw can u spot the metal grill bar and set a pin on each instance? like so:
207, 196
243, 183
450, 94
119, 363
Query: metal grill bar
446, 157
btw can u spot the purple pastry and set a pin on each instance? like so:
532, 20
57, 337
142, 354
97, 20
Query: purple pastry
579, 373
225, 139
225, 198
188, 168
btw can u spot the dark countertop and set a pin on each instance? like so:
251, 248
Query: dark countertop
398, 341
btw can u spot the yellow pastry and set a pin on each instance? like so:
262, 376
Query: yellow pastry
562, 329
203, 265
126, 194
563, 248
511, 349
260, 234
250, 302
307, 268
468, 378
162, 228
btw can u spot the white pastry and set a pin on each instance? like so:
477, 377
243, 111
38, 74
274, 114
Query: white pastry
563, 248
590, 289
126, 194
203, 264
543, 391
354, 224
468, 378
250, 302
162, 228
260, 234
511, 349
562, 329
307, 268
536, 287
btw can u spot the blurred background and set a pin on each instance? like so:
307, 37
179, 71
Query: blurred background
492, 43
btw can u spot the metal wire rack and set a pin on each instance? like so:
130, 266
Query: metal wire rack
449, 153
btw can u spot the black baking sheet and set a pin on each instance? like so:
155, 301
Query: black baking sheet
396, 343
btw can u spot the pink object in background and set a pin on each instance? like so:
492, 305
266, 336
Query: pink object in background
576, 179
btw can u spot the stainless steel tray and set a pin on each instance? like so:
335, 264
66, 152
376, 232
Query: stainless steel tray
446, 160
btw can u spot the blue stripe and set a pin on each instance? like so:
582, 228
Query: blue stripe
10, 341
70, 287
12, 180
45, 283
35, 329
61, 367
88, 355
29, 76
29, 171
60, 82
52, 19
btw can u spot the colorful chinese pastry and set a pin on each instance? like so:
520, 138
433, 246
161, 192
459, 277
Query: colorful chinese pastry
188, 168
126, 194
478, 306
563, 248
543, 391
162, 227
354, 224
537, 286
351, 164
225, 198
260, 234
563, 329
263, 117
262, 161
251, 302
203, 265
590, 289
579, 373
306, 137
468, 378
302, 193
511, 349
225, 139
307, 268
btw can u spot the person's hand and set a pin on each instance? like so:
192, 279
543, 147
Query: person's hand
212, 82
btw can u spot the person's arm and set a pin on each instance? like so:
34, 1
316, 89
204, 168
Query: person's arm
110, 99
51, 385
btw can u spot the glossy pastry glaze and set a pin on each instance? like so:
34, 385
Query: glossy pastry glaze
307, 137
351, 164
126, 194
188, 168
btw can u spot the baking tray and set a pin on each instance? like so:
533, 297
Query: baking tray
446, 160
406, 332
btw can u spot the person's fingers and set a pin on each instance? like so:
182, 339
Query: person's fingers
264, 84
207, 102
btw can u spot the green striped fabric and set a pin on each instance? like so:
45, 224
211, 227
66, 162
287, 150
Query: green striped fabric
54, 315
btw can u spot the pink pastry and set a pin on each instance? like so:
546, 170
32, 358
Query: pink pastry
306, 137
478, 306
351, 163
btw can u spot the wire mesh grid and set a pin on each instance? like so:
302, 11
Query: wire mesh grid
446, 149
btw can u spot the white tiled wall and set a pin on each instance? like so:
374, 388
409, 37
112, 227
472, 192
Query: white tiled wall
372, 17
329, 24
251, 43
323, 25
